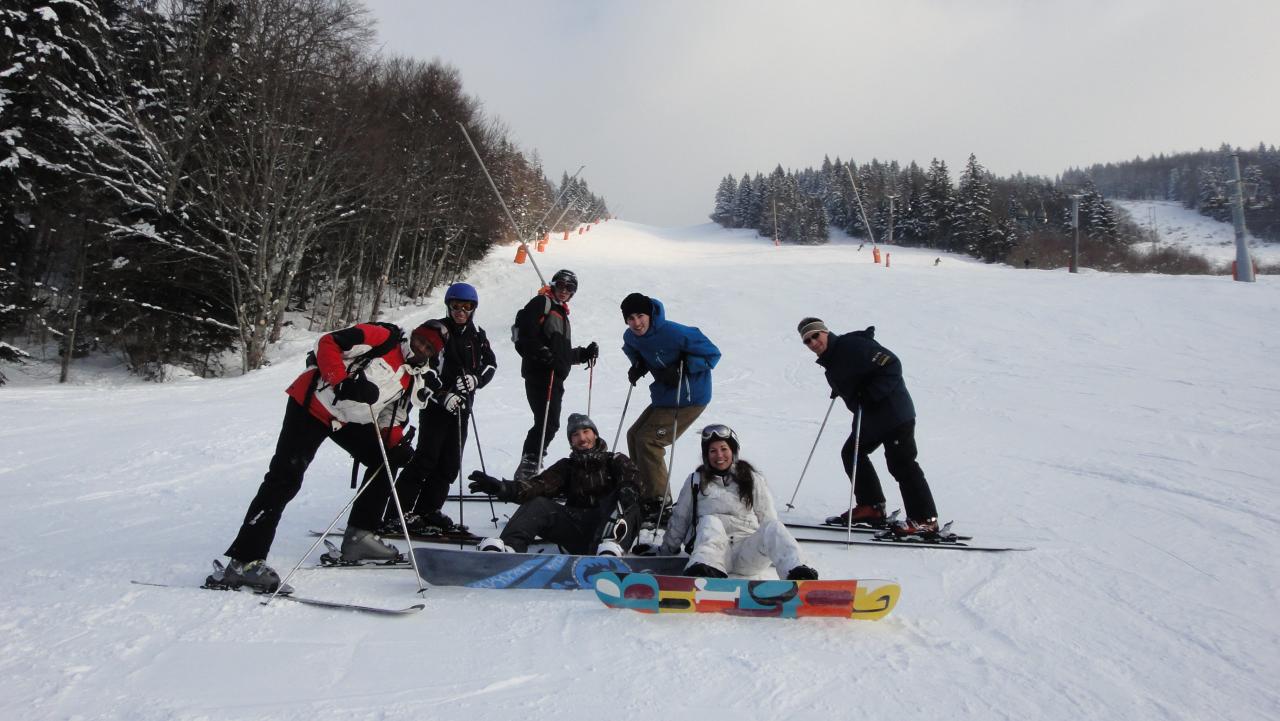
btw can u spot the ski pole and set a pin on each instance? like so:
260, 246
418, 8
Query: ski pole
546, 415
617, 435
791, 503
853, 472
514, 225
675, 434
386, 465
461, 424
480, 450
591, 381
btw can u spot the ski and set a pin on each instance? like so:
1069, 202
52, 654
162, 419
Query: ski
912, 542
478, 497
868, 600
857, 528
319, 603
468, 539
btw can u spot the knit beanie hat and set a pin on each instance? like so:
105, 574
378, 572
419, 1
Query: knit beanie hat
637, 303
578, 421
809, 325
432, 332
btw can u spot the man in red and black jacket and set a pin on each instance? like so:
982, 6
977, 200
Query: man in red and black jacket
362, 373
469, 364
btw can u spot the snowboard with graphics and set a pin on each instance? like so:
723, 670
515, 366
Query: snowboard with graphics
864, 599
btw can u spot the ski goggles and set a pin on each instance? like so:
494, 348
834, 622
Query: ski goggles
463, 305
566, 287
809, 339
719, 431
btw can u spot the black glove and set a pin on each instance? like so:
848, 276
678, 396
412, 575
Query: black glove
636, 372
545, 357
834, 394
589, 354
400, 454
484, 483
356, 388
668, 376
644, 549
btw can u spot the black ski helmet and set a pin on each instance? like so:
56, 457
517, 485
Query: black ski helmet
567, 278
718, 432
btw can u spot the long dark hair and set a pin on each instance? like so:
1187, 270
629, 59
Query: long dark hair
742, 474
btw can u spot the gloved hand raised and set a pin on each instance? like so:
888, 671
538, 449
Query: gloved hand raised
356, 388
481, 482
636, 372
589, 354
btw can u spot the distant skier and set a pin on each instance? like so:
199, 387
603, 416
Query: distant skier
726, 509
469, 364
864, 373
680, 358
370, 368
600, 513
545, 344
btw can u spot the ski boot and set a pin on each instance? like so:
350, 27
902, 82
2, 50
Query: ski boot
802, 573
702, 570
527, 469
435, 522
609, 548
655, 514
495, 544
360, 545
256, 575
926, 528
870, 515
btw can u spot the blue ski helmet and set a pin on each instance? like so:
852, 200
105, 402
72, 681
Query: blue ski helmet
462, 291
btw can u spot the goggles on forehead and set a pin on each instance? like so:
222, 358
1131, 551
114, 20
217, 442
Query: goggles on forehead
464, 305
719, 431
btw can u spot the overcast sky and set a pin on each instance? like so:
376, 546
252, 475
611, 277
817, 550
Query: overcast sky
660, 99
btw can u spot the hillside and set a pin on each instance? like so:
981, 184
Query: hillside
1127, 426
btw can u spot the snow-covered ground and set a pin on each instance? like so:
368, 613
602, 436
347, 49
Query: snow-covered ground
1180, 226
1127, 426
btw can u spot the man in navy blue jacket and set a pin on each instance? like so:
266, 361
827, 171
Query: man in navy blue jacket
680, 358
866, 374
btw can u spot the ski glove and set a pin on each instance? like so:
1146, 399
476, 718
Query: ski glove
356, 388
644, 549
452, 402
465, 383
668, 376
484, 483
589, 354
636, 372
545, 357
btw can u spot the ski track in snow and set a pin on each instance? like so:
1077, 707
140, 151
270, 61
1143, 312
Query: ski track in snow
1128, 427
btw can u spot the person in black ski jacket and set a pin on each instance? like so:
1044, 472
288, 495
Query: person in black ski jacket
601, 512
867, 375
545, 344
469, 365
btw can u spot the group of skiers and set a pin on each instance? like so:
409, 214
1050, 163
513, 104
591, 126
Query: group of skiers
362, 383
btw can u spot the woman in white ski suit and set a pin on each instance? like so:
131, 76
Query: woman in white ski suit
730, 534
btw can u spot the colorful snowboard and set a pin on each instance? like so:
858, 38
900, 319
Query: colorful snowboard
859, 599
488, 569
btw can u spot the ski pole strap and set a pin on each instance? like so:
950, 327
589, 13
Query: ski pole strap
355, 471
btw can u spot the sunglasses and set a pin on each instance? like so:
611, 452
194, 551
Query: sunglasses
809, 339
719, 431
464, 305
566, 287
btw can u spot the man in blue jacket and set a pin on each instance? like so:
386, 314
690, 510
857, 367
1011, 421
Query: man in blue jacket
680, 358
866, 375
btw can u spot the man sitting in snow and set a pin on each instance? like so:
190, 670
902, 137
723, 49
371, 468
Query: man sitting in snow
601, 510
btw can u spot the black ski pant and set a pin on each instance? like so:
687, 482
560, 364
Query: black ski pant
544, 393
577, 530
900, 456
424, 482
300, 437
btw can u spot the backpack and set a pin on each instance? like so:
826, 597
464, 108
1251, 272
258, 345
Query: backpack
521, 315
